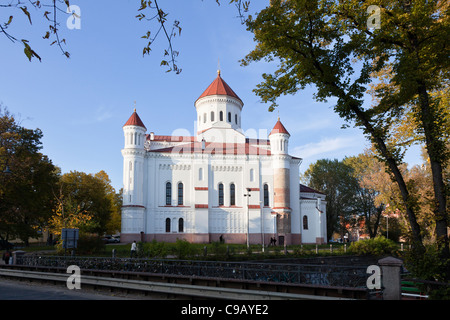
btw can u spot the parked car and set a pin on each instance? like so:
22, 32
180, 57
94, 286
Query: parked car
110, 239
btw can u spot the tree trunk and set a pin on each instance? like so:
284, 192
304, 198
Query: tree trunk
435, 151
408, 200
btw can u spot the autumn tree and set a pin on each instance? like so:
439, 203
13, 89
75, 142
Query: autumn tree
27, 179
328, 44
91, 195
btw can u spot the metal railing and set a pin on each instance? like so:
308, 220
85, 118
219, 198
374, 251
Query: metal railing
311, 274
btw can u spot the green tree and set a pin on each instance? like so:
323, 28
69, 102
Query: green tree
336, 180
27, 179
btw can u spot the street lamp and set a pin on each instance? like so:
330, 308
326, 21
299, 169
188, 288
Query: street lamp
7, 171
262, 224
248, 224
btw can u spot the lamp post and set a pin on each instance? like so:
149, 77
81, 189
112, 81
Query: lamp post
7, 171
248, 224
262, 224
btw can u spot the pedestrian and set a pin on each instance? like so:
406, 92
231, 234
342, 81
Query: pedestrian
133, 249
6, 256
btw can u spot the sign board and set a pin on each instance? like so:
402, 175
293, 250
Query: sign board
69, 238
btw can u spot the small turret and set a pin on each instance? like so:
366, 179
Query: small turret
279, 139
133, 160
134, 131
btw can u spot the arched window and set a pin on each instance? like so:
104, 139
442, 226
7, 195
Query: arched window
305, 222
212, 116
235, 118
229, 116
180, 225
221, 115
180, 194
220, 194
232, 194
266, 195
168, 194
168, 225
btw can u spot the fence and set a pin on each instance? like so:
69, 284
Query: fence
323, 275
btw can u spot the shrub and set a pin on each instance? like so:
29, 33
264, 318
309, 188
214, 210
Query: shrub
218, 249
183, 249
426, 265
89, 244
156, 249
376, 247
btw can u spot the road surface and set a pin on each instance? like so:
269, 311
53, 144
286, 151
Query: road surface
15, 290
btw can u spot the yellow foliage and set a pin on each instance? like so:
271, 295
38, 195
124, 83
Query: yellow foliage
68, 216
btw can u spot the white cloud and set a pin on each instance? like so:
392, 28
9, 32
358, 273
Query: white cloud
327, 145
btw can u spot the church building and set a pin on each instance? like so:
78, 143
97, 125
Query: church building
218, 185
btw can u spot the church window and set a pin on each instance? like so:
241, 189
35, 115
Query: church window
204, 118
305, 222
168, 194
181, 225
229, 116
235, 118
168, 225
266, 195
212, 116
221, 115
180, 194
220, 194
232, 194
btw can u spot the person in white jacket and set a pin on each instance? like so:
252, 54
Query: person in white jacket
133, 249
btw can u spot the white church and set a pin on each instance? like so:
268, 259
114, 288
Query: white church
218, 185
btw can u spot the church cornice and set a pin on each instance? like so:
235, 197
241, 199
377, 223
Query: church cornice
133, 152
218, 99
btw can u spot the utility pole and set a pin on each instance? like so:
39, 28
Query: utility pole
248, 224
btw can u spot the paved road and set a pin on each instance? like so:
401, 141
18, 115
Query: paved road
15, 290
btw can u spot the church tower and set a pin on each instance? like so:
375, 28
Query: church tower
133, 177
279, 141
219, 113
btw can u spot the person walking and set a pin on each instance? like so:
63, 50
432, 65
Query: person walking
133, 249
6, 256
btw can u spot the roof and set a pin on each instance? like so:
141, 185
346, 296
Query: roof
216, 148
279, 128
219, 87
134, 120
306, 189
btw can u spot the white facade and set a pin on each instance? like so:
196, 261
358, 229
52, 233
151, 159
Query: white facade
195, 187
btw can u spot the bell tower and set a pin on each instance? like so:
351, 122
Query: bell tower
133, 178
279, 141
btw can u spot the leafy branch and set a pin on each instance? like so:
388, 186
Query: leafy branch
51, 16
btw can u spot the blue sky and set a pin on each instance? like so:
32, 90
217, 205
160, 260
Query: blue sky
81, 103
